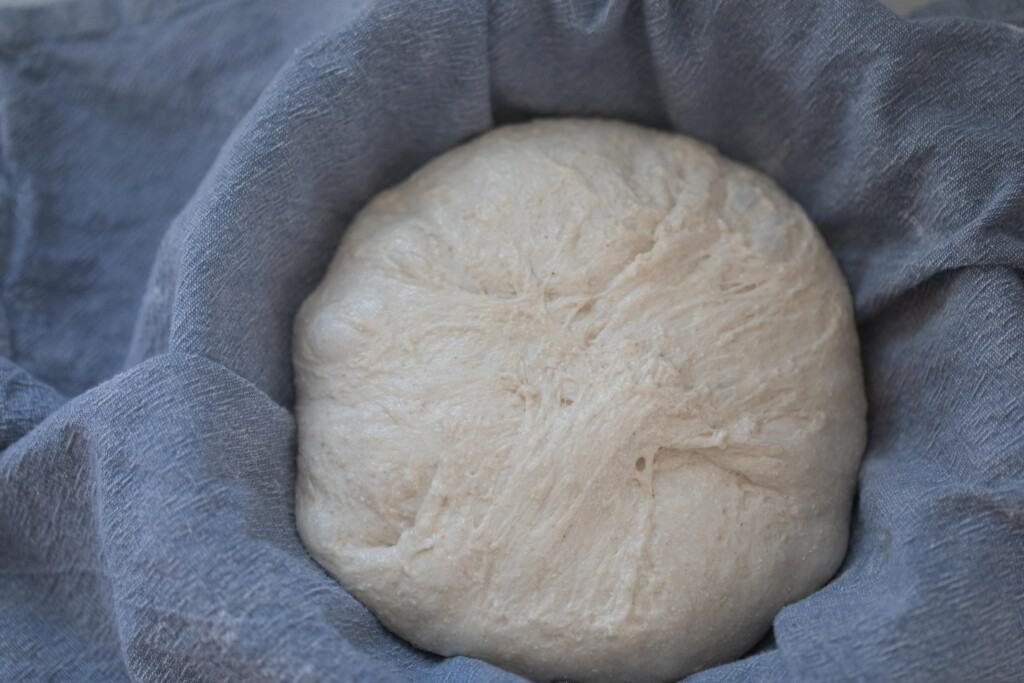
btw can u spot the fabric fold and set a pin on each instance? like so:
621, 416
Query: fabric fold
176, 179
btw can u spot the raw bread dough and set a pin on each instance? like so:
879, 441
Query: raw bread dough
581, 399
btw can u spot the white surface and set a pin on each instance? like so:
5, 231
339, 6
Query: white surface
581, 399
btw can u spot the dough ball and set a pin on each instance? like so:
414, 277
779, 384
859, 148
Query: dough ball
581, 399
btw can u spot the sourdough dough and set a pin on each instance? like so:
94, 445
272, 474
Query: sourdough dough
581, 399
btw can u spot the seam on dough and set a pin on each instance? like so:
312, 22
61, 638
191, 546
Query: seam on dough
701, 454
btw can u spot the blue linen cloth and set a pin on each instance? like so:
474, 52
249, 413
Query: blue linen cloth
174, 176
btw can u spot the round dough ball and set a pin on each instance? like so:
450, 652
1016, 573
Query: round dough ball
581, 399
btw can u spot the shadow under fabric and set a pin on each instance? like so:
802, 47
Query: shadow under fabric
175, 176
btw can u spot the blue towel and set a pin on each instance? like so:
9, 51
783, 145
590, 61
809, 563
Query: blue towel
175, 174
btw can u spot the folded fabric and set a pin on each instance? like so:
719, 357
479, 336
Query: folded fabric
175, 175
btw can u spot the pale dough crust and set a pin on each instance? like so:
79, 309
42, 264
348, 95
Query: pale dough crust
581, 399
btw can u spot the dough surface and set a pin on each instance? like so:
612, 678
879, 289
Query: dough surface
581, 399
